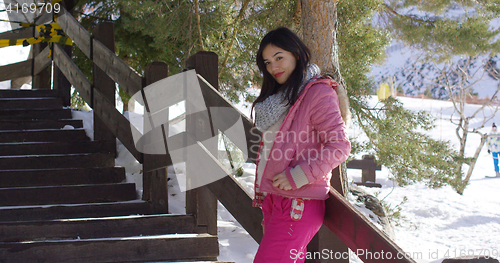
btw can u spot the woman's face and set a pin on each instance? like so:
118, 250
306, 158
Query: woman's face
279, 62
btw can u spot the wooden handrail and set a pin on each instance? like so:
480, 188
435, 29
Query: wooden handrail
104, 58
114, 120
213, 98
75, 31
359, 233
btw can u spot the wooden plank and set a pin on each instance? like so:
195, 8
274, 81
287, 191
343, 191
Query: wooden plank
214, 99
30, 103
73, 73
69, 176
369, 243
16, 70
42, 60
24, 32
206, 64
155, 182
133, 249
364, 165
42, 80
23, 93
24, 68
234, 198
325, 239
104, 32
41, 114
135, 207
75, 31
56, 147
201, 201
38, 124
117, 123
116, 68
61, 83
138, 225
72, 194
83, 160
43, 136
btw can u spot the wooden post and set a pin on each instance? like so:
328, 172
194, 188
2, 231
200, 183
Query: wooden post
325, 239
368, 175
61, 83
155, 183
104, 32
42, 79
201, 201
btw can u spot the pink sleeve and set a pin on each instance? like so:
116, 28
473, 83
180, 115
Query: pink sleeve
326, 118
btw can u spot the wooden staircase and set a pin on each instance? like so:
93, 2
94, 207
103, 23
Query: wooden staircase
62, 199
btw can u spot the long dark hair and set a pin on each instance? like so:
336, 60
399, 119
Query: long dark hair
285, 39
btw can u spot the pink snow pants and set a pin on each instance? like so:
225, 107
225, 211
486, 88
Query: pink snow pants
286, 239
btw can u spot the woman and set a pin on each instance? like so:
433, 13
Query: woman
303, 139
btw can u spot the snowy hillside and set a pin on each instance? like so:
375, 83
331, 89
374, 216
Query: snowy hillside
403, 63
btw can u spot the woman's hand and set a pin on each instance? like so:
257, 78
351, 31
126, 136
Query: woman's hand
281, 181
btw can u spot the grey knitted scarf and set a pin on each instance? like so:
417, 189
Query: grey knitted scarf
272, 108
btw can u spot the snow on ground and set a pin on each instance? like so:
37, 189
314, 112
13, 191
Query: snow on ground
434, 223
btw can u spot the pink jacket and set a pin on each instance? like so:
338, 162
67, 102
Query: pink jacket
313, 136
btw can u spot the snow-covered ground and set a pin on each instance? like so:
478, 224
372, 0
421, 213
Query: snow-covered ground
434, 224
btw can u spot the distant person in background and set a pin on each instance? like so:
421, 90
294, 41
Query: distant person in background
493, 143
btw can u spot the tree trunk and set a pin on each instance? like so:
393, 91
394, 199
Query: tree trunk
473, 164
319, 24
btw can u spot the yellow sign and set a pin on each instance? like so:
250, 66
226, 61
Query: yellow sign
384, 91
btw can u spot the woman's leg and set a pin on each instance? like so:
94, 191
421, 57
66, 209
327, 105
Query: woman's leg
286, 239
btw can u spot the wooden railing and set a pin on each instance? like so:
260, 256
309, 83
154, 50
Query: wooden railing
341, 219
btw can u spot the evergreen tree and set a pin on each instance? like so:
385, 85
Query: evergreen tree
171, 31
458, 42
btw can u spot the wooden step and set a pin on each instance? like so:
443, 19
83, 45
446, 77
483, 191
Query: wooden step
38, 124
51, 212
38, 148
87, 228
35, 114
72, 194
30, 103
70, 176
49, 161
129, 249
44, 136
12, 93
